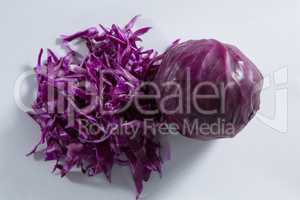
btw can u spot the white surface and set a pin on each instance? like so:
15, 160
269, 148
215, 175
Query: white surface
260, 163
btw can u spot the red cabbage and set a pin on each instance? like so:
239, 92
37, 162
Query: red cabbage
216, 91
207, 90
72, 92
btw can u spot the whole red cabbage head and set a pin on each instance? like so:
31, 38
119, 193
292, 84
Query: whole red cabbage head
208, 89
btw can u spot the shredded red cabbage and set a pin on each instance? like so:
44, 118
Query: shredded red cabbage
69, 83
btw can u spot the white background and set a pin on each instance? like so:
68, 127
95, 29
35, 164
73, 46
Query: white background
260, 163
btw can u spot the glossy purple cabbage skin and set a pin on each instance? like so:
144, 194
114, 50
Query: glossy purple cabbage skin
217, 63
112, 48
